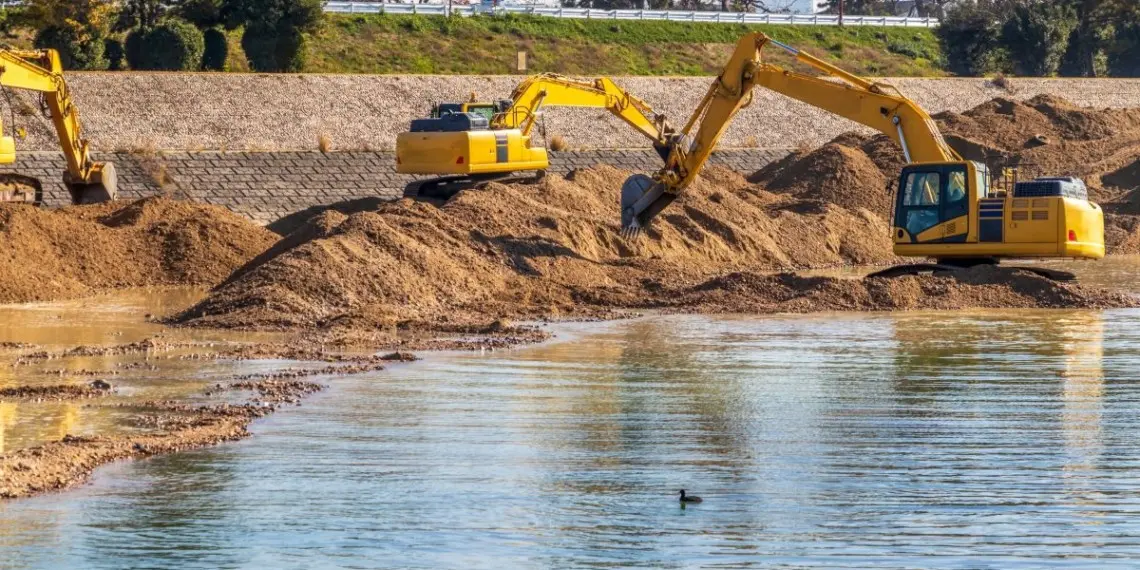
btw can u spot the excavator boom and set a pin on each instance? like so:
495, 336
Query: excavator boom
41, 71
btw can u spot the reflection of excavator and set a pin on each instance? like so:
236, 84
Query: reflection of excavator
40, 70
468, 144
945, 208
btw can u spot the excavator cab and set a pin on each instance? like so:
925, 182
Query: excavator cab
947, 211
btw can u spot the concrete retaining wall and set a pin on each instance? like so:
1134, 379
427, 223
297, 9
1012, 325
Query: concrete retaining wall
266, 186
124, 111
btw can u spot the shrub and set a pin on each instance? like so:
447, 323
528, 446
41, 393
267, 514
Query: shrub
115, 53
78, 48
173, 45
217, 50
270, 49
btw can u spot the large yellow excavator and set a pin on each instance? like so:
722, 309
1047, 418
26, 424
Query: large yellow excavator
946, 208
40, 70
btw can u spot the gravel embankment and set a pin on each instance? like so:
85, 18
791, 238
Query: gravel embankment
124, 111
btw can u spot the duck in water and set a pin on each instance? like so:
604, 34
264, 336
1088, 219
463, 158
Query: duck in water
689, 498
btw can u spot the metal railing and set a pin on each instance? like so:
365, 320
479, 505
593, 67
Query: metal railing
663, 15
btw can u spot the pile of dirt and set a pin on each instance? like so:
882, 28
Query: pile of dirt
551, 250
76, 251
834, 173
529, 249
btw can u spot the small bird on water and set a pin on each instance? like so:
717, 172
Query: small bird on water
689, 498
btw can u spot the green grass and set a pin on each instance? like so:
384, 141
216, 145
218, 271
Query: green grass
489, 44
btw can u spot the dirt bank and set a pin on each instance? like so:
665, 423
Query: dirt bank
76, 251
552, 250
527, 250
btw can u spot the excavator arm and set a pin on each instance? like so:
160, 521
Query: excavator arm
876, 105
41, 71
551, 89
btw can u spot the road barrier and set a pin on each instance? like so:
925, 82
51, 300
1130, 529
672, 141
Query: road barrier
660, 15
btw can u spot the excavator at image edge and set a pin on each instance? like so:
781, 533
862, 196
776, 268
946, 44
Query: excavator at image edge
947, 209
87, 181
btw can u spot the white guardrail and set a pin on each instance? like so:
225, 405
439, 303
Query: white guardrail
670, 15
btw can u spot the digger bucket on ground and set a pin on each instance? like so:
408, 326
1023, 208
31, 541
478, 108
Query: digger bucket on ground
104, 186
642, 198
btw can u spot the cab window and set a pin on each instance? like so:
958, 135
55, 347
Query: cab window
921, 197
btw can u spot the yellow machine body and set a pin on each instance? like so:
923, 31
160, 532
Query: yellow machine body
943, 210
468, 152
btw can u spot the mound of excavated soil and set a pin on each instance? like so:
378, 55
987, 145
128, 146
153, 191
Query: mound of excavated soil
530, 249
1043, 136
76, 251
548, 250
836, 174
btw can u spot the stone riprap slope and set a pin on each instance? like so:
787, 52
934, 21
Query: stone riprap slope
188, 111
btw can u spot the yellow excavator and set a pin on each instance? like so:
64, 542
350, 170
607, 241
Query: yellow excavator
87, 181
463, 145
946, 208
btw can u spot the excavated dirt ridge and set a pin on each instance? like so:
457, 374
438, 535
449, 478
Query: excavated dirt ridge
72, 252
552, 250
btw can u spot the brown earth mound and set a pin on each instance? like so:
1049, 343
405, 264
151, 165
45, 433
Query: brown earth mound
71, 252
836, 174
530, 249
547, 250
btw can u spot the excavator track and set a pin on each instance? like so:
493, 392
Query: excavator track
910, 269
21, 189
443, 188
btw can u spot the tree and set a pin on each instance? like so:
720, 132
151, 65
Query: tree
275, 30
141, 14
1036, 34
970, 35
75, 28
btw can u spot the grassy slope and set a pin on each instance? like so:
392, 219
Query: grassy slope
488, 45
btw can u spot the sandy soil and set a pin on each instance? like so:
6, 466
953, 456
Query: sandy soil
76, 251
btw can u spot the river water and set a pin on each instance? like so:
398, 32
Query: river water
983, 439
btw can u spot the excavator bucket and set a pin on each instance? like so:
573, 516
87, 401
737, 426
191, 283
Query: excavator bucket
103, 187
642, 198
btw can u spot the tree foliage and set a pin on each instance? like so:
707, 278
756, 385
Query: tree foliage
275, 30
1036, 37
172, 45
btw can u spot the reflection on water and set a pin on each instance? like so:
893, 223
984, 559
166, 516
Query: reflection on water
101, 321
990, 439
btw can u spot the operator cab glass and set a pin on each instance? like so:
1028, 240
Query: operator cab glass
930, 195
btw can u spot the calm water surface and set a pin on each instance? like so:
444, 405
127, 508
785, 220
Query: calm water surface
954, 440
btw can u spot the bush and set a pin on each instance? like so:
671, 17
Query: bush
271, 49
217, 50
1035, 37
78, 48
173, 45
115, 53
